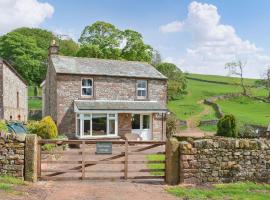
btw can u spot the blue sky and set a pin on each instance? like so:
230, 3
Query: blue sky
243, 27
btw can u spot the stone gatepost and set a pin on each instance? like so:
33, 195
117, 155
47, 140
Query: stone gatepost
172, 162
30, 166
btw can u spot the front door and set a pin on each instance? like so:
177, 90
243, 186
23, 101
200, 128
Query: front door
141, 125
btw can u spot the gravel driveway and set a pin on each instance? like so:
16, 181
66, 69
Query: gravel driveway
90, 190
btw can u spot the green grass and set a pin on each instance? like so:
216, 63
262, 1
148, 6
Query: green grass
209, 128
156, 157
35, 104
31, 91
7, 183
233, 191
247, 110
190, 105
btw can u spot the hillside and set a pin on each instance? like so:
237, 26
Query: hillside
201, 87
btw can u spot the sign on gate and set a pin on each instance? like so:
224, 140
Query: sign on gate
103, 148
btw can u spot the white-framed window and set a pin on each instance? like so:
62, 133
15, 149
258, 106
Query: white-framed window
87, 87
141, 89
96, 124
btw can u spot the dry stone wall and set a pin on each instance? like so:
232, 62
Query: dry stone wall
12, 155
224, 160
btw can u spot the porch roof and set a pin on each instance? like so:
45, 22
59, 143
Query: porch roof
120, 106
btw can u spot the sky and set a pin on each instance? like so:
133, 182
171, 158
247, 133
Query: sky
198, 36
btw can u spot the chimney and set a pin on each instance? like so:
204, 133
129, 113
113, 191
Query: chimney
54, 48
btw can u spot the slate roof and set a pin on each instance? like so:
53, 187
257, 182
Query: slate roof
97, 105
94, 66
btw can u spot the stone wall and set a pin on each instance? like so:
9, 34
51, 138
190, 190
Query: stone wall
12, 155
224, 160
18, 155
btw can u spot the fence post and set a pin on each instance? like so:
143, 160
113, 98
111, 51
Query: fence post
126, 160
31, 158
83, 160
172, 165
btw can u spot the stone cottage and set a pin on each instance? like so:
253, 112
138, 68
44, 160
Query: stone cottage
99, 98
13, 93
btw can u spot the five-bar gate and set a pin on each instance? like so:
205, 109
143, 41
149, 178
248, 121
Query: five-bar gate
91, 159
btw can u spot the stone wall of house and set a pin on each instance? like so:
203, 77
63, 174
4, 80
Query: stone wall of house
105, 88
224, 160
14, 90
12, 155
158, 127
1, 90
124, 124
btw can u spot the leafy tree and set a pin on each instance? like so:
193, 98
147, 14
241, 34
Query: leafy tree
90, 51
23, 52
27, 50
68, 47
176, 81
104, 35
237, 68
104, 40
135, 49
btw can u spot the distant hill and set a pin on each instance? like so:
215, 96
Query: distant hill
201, 87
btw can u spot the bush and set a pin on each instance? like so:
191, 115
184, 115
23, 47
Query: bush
3, 126
227, 126
247, 131
171, 126
46, 128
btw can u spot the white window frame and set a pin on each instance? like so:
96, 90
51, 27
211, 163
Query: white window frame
91, 87
81, 117
141, 89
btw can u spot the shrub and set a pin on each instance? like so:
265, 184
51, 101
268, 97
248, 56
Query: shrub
247, 131
171, 126
46, 128
3, 126
227, 126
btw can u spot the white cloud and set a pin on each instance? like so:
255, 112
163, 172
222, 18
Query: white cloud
214, 44
171, 27
18, 13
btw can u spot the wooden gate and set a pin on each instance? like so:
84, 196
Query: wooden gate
125, 160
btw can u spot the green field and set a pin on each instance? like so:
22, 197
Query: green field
34, 103
232, 191
245, 109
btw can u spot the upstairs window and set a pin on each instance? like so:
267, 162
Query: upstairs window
87, 87
141, 89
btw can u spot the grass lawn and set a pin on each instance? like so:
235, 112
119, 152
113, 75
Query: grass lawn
31, 91
156, 157
7, 183
209, 128
35, 104
247, 110
232, 191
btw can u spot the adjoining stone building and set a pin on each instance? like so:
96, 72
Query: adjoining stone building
99, 98
13, 94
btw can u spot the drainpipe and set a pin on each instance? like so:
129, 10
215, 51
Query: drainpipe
162, 127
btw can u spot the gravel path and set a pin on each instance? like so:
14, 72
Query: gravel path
90, 190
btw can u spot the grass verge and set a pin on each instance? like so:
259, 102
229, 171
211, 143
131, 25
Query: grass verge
208, 128
156, 157
8, 182
232, 191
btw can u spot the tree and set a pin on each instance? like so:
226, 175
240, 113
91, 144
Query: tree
237, 68
104, 35
104, 40
227, 126
68, 47
176, 80
135, 49
27, 50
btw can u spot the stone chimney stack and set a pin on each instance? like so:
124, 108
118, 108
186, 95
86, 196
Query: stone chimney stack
54, 48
